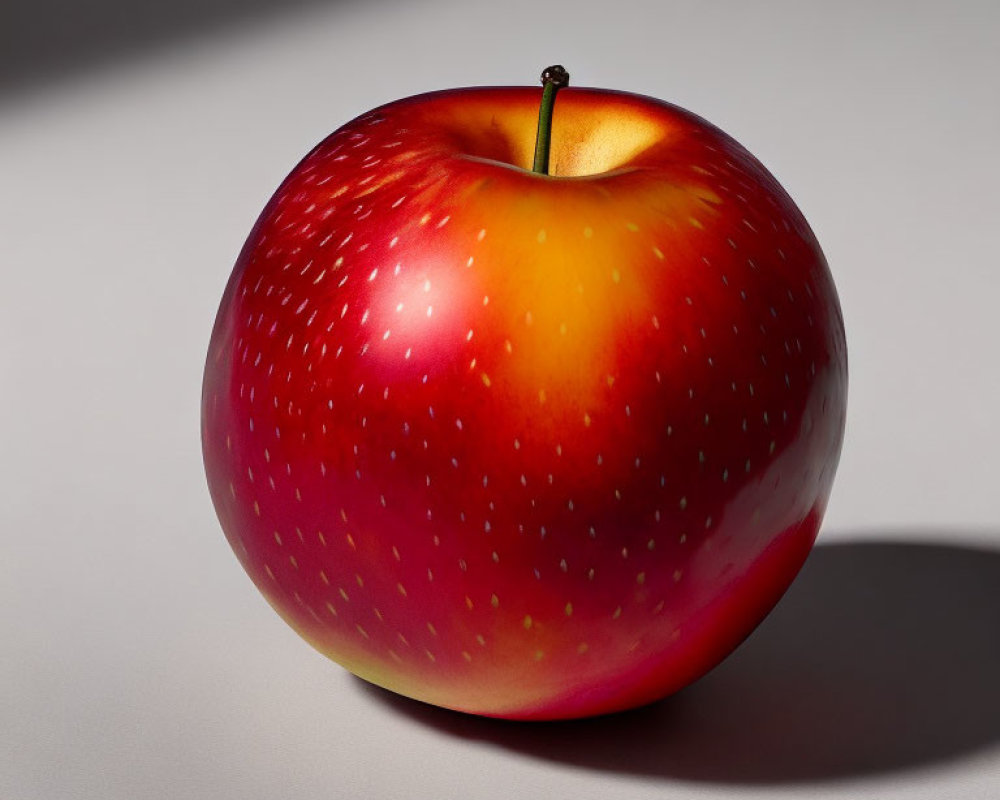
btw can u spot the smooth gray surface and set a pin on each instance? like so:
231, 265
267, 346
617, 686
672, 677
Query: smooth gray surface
137, 660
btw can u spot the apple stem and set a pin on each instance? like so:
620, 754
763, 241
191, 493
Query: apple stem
553, 79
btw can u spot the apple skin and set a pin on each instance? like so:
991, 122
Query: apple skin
526, 446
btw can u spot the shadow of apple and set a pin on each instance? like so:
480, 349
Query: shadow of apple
881, 656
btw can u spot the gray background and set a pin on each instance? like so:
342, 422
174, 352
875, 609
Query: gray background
137, 146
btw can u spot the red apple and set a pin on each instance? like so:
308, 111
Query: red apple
521, 444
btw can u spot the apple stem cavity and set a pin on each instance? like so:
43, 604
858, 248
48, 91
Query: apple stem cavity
553, 79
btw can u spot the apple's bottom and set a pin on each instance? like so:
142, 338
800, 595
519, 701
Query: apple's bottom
622, 668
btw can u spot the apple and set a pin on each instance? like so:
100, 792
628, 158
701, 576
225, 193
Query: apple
526, 437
